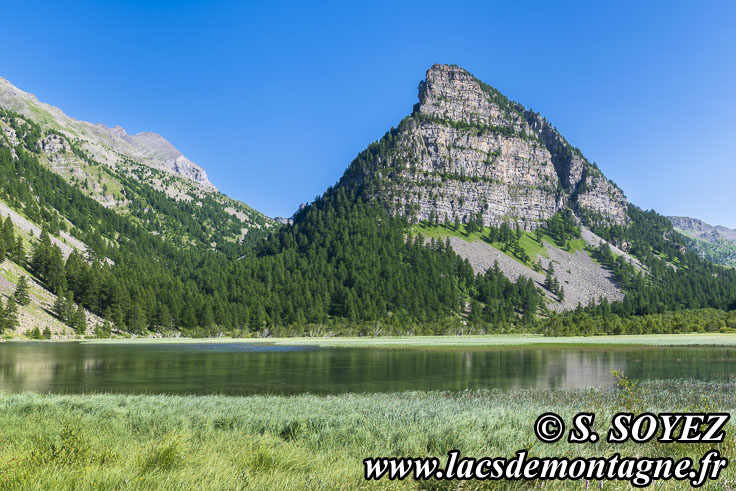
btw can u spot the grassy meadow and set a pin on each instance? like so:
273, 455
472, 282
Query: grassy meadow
315, 442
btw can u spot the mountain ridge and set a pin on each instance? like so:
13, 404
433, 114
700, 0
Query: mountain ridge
125, 172
147, 147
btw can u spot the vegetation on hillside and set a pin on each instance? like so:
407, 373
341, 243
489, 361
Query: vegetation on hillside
676, 278
348, 265
720, 251
184, 222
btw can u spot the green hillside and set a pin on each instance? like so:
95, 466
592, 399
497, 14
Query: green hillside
721, 251
353, 262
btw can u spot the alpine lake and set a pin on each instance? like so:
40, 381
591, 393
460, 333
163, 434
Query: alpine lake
250, 368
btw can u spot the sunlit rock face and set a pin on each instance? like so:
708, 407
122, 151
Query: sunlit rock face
467, 149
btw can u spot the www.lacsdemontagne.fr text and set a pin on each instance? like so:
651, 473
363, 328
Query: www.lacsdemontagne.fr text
640, 472
550, 428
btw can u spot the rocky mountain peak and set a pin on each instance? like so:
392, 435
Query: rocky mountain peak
118, 131
467, 149
450, 92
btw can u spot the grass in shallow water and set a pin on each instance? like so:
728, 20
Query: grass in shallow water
308, 441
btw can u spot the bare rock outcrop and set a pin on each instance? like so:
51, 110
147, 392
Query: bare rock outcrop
468, 150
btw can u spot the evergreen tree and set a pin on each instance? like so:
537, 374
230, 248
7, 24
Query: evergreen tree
549, 279
11, 314
21, 292
136, 320
207, 317
3, 318
79, 320
17, 253
163, 318
59, 306
105, 330
8, 233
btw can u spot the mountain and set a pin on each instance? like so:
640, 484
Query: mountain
472, 215
466, 153
100, 142
717, 244
107, 226
140, 174
467, 150
537, 228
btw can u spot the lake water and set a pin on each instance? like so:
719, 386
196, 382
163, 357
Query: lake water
241, 369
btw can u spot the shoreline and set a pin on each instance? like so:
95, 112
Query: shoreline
458, 341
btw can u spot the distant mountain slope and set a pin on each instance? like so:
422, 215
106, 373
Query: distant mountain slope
142, 175
714, 243
103, 143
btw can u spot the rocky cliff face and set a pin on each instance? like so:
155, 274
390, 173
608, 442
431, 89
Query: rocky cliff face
466, 149
103, 143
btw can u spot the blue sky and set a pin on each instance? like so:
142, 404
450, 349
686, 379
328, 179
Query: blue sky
275, 99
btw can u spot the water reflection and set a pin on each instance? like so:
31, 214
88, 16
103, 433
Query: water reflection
233, 368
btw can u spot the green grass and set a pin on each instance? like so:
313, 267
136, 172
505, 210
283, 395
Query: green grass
475, 341
313, 442
528, 241
442, 231
530, 245
575, 245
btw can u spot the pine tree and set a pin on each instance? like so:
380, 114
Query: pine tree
3, 319
18, 253
21, 292
549, 279
163, 317
11, 314
79, 322
8, 232
61, 306
137, 319
538, 235
207, 317
105, 330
